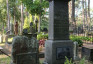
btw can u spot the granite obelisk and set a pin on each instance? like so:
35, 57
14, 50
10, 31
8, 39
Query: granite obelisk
58, 46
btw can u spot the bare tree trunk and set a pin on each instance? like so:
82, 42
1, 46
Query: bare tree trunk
73, 14
88, 13
22, 19
73, 10
14, 24
8, 20
3, 28
2, 32
83, 14
70, 9
39, 20
39, 23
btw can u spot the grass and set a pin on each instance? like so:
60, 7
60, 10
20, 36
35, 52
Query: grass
41, 60
10, 39
4, 59
2, 44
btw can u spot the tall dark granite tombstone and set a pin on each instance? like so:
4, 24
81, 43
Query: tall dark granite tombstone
58, 46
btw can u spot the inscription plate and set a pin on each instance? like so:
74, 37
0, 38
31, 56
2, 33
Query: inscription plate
63, 52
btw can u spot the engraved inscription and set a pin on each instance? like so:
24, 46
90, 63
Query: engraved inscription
61, 22
62, 52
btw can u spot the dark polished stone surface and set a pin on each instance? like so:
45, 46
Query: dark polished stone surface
58, 44
59, 21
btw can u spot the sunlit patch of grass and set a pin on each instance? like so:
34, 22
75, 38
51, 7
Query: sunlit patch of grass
10, 39
2, 44
4, 59
41, 60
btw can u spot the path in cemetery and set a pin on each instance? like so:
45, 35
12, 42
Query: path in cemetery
5, 50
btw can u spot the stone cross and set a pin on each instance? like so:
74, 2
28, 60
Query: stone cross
58, 46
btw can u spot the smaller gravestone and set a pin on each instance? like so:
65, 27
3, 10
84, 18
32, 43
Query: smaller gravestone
87, 52
23, 46
25, 31
31, 27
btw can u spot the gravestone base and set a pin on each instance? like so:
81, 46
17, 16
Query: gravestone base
27, 58
57, 50
87, 52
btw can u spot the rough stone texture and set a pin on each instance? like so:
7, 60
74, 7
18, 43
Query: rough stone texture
23, 44
27, 58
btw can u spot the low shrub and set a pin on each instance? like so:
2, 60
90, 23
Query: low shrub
10, 39
80, 39
80, 43
42, 38
67, 61
4, 59
77, 39
82, 61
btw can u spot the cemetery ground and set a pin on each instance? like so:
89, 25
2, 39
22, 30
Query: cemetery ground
60, 46
4, 59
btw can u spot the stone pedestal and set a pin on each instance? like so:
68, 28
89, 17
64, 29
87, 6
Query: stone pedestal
56, 51
58, 46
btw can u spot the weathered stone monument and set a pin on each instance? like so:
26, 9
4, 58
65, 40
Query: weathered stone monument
58, 46
24, 50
